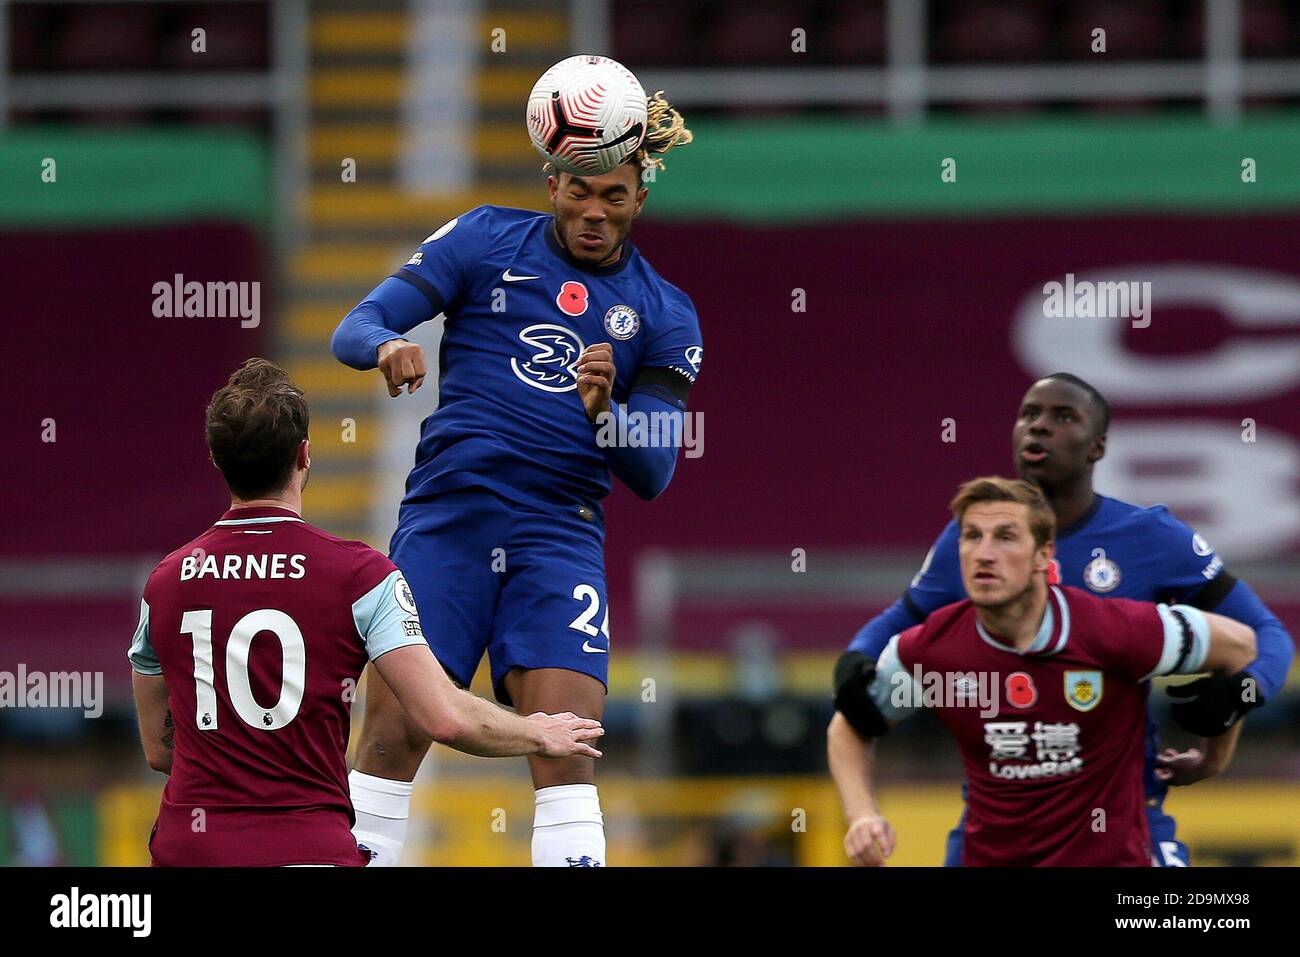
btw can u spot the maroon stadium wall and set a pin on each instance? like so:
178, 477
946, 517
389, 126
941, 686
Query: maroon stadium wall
824, 428
122, 393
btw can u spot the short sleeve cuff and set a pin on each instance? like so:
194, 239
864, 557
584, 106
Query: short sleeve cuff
894, 689
386, 617
141, 654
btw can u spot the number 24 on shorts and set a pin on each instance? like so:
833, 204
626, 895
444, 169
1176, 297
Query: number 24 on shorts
583, 622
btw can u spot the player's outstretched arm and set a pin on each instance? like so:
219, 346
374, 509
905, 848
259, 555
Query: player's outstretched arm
468, 723
1186, 560
1274, 645
1212, 707
371, 334
1231, 649
155, 719
869, 840
1191, 642
865, 709
1232, 645
1195, 642
1208, 705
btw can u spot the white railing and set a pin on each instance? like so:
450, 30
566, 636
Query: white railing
908, 85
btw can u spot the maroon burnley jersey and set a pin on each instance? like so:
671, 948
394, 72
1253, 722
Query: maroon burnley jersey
1053, 752
261, 628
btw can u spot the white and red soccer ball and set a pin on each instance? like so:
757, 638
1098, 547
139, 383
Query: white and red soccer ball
587, 114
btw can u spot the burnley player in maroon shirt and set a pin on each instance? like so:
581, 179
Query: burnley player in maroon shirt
250, 643
1044, 688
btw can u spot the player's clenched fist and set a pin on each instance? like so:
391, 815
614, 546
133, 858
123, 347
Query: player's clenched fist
870, 841
566, 734
596, 378
402, 364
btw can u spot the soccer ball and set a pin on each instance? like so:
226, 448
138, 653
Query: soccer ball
587, 114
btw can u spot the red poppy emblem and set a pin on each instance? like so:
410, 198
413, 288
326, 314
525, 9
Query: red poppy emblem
1054, 572
572, 298
1020, 690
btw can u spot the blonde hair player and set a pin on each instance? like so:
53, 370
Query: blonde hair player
558, 335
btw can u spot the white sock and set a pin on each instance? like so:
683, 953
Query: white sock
382, 807
567, 828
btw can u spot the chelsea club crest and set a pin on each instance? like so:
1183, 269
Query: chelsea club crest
622, 322
1101, 574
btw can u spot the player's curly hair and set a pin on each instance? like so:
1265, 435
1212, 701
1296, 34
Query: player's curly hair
254, 425
665, 130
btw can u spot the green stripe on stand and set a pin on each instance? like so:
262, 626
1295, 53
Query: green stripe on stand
765, 170
128, 177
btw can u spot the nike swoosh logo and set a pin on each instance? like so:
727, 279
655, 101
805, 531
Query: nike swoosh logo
509, 278
586, 646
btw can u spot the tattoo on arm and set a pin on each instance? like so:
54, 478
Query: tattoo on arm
170, 733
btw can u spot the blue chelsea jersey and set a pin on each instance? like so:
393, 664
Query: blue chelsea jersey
519, 312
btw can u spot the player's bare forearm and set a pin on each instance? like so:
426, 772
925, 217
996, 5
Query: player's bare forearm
1232, 645
157, 729
869, 840
1219, 750
488, 731
852, 760
1211, 707
474, 725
